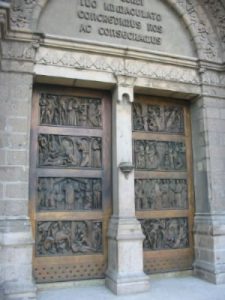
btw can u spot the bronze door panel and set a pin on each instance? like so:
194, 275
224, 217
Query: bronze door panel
163, 182
70, 183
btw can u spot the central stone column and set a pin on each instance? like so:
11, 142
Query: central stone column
125, 264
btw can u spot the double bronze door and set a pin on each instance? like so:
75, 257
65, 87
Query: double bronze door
70, 183
163, 182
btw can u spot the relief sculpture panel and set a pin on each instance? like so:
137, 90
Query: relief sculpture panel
60, 194
69, 151
165, 233
68, 238
157, 155
160, 194
70, 111
158, 118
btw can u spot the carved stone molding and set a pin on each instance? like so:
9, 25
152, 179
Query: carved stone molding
19, 51
216, 8
213, 78
200, 27
21, 13
125, 71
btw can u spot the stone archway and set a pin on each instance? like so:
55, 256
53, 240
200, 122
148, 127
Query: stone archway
204, 33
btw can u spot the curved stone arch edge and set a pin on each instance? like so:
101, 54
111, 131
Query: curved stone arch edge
204, 36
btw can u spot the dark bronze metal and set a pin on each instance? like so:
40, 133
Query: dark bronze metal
161, 194
165, 233
68, 238
70, 182
69, 151
66, 110
158, 118
62, 194
158, 155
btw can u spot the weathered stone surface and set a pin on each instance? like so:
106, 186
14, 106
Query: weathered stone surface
196, 29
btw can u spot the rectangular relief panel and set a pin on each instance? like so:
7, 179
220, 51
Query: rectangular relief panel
56, 238
161, 194
164, 234
69, 151
158, 118
159, 155
69, 194
62, 110
163, 182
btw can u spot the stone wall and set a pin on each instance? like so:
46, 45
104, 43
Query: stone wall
208, 119
16, 238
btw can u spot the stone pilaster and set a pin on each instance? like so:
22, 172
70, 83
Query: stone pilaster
125, 265
16, 241
208, 123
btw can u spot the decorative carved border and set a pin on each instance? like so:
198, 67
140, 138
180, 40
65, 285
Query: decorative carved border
117, 66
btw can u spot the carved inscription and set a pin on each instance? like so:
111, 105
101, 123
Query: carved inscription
125, 19
157, 155
70, 111
69, 151
159, 194
162, 234
158, 118
59, 194
68, 238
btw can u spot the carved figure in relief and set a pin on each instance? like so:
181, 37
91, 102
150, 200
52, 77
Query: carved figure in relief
165, 233
62, 111
157, 118
97, 236
61, 235
94, 113
68, 189
81, 241
68, 237
96, 153
83, 116
69, 151
139, 155
83, 148
96, 194
159, 155
137, 117
70, 111
159, 194
152, 156
138, 194
43, 108
174, 119
69, 194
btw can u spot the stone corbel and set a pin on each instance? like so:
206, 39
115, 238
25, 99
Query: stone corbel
125, 86
126, 168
